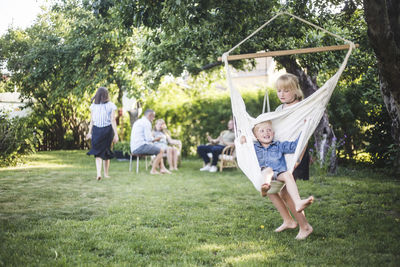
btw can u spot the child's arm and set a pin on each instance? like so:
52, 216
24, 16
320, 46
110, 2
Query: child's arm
243, 139
289, 146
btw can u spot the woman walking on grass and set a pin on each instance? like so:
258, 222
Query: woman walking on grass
102, 130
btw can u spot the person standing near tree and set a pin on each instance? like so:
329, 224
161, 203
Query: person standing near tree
102, 130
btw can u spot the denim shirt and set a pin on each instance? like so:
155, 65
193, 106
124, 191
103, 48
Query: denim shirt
273, 155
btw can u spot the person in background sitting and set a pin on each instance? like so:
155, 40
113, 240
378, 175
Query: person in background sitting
172, 146
142, 141
226, 138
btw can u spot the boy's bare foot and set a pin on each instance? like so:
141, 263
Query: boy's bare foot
98, 178
304, 203
154, 172
286, 225
107, 176
264, 189
304, 233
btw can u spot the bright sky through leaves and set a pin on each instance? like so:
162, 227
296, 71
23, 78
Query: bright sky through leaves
18, 13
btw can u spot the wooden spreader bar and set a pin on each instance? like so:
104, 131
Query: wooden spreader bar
288, 52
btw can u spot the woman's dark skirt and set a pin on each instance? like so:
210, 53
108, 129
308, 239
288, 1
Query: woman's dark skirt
102, 138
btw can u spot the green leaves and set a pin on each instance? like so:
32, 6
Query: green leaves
61, 60
17, 139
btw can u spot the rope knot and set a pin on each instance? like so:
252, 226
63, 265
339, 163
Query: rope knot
225, 56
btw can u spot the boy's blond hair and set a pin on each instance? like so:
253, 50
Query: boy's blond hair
290, 82
258, 125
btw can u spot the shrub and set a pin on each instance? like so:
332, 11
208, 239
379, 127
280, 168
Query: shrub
17, 138
123, 146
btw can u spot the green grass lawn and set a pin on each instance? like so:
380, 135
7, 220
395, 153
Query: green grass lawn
54, 213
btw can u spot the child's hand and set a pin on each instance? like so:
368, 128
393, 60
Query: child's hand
243, 139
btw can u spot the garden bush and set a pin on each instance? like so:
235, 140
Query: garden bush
122, 149
17, 138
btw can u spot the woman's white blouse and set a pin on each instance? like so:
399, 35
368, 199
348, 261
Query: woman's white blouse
101, 113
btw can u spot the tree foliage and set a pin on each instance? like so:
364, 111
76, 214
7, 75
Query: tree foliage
190, 35
132, 46
384, 34
17, 138
61, 60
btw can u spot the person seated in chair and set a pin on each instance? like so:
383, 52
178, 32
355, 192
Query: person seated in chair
142, 141
226, 138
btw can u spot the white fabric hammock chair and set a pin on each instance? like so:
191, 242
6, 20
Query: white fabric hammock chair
301, 118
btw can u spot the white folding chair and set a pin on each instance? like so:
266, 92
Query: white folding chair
138, 156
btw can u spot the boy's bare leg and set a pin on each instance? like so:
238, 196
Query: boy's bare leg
288, 222
267, 174
305, 228
291, 187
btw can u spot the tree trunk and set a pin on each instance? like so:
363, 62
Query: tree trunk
59, 131
325, 139
382, 17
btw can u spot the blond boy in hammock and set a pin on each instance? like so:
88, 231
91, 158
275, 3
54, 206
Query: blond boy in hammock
270, 155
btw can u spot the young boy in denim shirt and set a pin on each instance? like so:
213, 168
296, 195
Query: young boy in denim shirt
272, 162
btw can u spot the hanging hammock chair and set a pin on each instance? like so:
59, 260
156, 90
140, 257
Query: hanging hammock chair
299, 119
